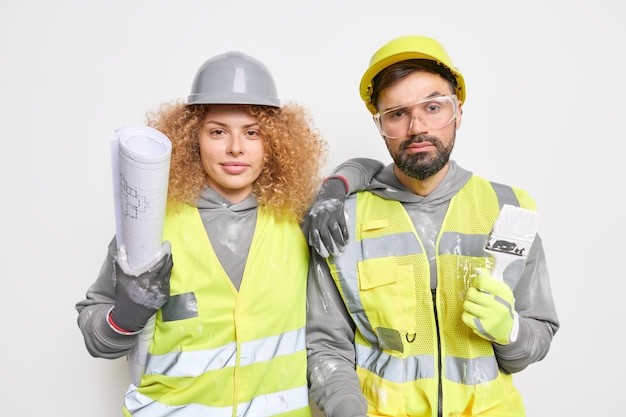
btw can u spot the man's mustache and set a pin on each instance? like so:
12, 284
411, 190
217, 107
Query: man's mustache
419, 139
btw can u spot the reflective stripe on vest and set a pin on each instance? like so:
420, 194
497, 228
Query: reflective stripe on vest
384, 279
261, 406
219, 351
195, 363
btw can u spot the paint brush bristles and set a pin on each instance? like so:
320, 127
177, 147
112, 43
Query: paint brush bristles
511, 237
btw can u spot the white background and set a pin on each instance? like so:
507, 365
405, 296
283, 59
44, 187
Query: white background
544, 112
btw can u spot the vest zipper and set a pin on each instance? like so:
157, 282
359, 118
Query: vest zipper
439, 384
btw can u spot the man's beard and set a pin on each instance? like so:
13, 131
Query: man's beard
422, 165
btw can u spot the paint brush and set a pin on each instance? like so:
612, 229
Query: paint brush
511, 237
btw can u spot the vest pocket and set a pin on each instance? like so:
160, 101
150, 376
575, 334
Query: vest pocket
382, 282
376, 272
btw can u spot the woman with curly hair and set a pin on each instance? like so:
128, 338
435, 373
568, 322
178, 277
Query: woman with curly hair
229, 290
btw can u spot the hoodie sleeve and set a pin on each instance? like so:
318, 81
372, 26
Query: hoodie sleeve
333, 381
358, 173
100, 340
537, 314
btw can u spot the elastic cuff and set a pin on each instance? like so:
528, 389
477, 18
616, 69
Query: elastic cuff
339, 177
117, 329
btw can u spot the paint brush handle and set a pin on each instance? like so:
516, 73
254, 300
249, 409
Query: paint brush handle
500, 262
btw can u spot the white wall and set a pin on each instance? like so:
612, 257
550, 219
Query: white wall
544, 110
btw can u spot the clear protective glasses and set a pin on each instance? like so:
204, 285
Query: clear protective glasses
433, 112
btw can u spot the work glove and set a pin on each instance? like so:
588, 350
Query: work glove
489, 309
328, 232
141, 292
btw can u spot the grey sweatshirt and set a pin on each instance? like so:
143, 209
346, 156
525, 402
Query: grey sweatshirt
229, 227
330, 330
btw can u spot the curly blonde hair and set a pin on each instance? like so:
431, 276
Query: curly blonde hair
295, 154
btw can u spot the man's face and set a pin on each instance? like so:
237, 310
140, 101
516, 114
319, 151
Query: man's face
423, 151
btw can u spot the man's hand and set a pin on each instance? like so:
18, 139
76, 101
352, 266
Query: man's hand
490, 309
140, 293
328, 232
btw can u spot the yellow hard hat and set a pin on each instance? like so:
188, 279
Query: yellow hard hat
401, 49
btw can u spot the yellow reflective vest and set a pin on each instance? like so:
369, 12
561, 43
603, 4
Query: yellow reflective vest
220, 352
413, 351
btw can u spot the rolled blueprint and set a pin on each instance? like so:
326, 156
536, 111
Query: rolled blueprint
141, 165
140, 157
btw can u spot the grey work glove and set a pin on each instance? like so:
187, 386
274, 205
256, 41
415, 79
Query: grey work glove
140, 293
328, 231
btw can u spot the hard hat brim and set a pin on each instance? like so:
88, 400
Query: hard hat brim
231, 98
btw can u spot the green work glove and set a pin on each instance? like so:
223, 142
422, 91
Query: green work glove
328, 231
490, 309
140, 293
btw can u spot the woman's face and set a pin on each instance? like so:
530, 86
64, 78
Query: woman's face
231, 150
